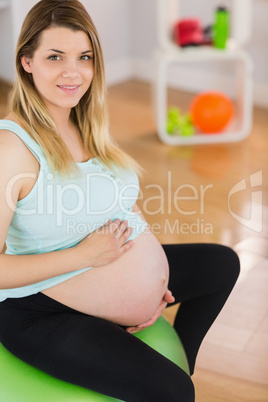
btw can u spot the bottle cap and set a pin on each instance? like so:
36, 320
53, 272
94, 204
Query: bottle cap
222, 8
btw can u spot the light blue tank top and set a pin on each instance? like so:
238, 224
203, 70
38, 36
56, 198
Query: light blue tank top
58, 213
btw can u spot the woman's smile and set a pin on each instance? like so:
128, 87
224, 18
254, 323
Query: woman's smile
69, 89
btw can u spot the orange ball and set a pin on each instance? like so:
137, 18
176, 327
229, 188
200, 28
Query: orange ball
211, 111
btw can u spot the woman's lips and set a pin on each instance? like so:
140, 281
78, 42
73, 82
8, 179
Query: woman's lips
69, 89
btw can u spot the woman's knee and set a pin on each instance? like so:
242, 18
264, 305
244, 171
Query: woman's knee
182, 390
232, 262
170, 385
228, 265
186, 391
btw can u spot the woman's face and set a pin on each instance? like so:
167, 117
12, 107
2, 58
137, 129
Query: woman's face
61, 67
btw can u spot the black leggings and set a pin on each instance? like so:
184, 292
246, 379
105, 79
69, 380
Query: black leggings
97, 354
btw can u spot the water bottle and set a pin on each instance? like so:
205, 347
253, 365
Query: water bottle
221, 28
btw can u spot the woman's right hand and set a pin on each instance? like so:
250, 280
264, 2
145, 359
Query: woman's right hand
106, 244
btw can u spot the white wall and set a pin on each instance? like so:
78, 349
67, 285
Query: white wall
128, 33
6, 45
11, 18
258, 49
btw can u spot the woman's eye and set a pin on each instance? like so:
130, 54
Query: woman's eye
85, 58
54, 57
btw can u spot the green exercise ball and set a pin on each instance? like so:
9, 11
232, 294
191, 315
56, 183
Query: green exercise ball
20, 382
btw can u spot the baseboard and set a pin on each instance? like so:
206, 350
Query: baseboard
119, 71
8, 83
181, 77
184, 77
260, 94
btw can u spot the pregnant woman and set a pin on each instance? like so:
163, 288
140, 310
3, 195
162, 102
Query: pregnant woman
82, 271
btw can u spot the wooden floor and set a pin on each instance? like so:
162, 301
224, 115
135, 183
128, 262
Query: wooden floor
233, 361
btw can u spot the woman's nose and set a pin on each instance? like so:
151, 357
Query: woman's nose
70, 70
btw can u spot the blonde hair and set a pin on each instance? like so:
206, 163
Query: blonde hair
90, 115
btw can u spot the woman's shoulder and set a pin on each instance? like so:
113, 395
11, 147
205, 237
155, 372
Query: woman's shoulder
11, 119
12, 148
9, 140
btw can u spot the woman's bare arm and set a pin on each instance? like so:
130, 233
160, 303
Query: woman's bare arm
100, 248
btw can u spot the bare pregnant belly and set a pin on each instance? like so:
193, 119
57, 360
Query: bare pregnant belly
127, 291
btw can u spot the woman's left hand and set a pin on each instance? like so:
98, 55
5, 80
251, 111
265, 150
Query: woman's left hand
168, 298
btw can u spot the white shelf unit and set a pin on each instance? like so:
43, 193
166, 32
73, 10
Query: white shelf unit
168, 53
